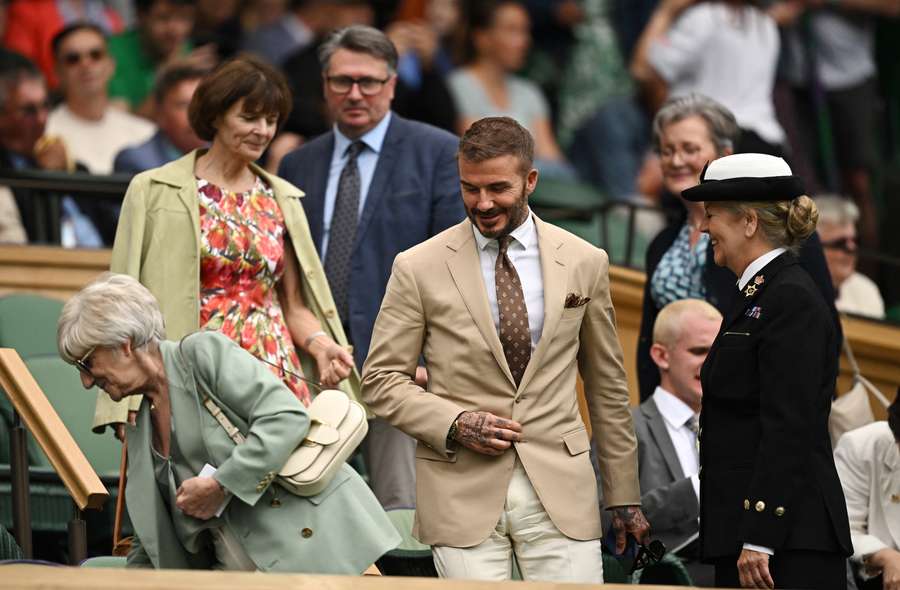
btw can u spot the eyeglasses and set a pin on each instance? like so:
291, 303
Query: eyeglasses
33, 109
73, 58
344, 84
847, 245
84, 363
648, 555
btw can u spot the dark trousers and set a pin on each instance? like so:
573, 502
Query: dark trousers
796, 570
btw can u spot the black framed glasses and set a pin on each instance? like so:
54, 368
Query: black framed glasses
367, 85
84, 363
847, 245
648, 555
73, 58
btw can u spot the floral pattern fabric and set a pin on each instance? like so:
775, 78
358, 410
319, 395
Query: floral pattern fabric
241, 261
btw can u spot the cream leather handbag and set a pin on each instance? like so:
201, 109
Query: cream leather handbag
337, 426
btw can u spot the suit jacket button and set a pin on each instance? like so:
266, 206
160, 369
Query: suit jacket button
760, 506
276, 503
779, 511
306, 533
329, 313
746, 504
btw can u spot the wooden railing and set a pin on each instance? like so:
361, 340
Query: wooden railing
32, 407
60, 273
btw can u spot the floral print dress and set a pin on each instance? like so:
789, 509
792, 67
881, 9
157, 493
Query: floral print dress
241, 261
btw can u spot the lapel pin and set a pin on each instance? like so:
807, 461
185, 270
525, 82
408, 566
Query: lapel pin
749, 291
759, 280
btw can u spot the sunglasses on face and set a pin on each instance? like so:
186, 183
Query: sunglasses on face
73, 58
648, 555
33, 109
344, 84
847, 245
84, 363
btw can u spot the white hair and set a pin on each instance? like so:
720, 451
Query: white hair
836, 210
110, 311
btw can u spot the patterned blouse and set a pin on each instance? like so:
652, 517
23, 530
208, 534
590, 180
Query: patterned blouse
241, 261
679, 274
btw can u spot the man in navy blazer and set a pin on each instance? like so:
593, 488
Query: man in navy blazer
175, 137
404, 183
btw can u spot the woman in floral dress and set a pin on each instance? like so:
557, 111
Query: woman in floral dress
225, 246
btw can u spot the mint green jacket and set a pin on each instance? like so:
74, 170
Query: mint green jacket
342, 530
158, 243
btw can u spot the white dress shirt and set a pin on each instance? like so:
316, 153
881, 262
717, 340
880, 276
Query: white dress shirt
525, 256
750, 272
757, 265
366, 160
675, 414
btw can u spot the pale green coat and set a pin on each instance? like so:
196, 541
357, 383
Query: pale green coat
342, 530
158, 243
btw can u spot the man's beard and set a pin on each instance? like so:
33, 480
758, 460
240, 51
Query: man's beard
515, 213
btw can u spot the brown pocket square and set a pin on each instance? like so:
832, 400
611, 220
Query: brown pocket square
575, 300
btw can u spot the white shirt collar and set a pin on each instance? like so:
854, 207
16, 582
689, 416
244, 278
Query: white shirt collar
757, 265
525, 234
675, 411
373, 138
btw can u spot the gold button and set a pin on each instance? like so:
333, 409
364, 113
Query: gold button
746, 504
310, 273
276, 503
329, 313
306, 533
760, 506
779, 511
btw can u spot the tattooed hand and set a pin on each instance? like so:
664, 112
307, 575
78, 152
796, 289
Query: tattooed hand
629, 519
486, 433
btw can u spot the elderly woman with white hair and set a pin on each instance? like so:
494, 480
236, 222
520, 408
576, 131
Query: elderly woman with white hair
230, 517
772, 512
856, 293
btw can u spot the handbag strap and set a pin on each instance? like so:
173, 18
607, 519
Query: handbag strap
858, 378
233, 431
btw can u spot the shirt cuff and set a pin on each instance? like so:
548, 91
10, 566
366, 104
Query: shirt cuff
766, 550
695, 481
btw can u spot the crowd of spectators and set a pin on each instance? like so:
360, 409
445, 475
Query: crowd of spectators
586, 77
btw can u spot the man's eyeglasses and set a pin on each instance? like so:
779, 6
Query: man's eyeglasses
343, 84
847, 245
648, 555
33, 109
73, 58
84, 363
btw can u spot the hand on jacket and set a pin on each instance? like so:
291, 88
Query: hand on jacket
486, 433
199, 497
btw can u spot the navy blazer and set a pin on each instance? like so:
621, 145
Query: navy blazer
767, 473
153, 153
413, 196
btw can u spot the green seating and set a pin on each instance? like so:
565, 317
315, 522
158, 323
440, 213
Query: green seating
110, 561
9, 549
410, 558
670, 570
565, 195
28, 324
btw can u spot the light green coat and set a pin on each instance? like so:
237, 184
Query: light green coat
342, 530
158, 243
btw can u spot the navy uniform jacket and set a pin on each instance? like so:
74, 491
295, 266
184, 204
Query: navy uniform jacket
767, 472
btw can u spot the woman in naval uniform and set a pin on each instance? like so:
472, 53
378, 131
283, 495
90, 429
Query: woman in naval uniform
772, 512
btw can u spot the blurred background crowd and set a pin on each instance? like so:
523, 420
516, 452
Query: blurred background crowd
814, 81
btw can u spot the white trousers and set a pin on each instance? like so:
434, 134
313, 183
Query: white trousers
525, 531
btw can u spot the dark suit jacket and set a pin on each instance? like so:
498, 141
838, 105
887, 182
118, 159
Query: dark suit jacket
153, 153
767, 472
667, 496
720, 292
413, 196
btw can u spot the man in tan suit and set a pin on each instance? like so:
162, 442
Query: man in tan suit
506, 310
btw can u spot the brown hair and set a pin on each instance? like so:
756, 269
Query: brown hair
172, 75
493, 137
262, 88
785, 224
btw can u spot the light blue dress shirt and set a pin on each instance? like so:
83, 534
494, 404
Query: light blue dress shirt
366, 161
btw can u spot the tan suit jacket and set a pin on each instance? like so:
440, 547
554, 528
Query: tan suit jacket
436, 305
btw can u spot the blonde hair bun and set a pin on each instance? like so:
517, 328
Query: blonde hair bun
802, 217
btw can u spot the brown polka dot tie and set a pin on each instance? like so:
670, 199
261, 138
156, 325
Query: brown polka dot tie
515, 336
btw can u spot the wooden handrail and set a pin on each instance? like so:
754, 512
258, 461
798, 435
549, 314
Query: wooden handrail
83, 484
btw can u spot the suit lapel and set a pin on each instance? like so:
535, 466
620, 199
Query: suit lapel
316, 185
554, 274
755, 287
657, 426
465, 268
383, 170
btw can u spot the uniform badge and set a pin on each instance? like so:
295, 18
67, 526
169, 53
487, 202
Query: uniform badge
759, 280
750, 291
753, 312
